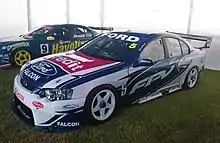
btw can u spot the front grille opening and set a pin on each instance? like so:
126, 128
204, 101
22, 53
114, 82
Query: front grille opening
22, 111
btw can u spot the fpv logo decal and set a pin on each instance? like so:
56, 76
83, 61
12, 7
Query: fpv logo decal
147, 81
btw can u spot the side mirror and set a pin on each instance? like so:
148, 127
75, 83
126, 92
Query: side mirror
144, 62
50, 38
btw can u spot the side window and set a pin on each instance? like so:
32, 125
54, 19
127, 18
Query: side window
88, 33
173, 46
62, 34
185, 47
153, 51
78, 32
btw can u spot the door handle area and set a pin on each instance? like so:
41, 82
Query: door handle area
60, 42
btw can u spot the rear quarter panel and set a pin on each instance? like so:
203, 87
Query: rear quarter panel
198, 57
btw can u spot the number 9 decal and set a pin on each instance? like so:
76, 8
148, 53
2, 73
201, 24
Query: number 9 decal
44, 48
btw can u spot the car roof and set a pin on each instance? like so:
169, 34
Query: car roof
137, 33
165, 34
147, 37
66, 25
141, 34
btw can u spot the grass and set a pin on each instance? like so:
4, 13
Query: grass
191, 116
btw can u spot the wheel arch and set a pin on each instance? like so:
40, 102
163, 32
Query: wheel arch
87, 106
195, 66
185, 78
101, 86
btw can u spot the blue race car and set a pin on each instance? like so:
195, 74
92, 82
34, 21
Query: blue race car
48, 39
64, 91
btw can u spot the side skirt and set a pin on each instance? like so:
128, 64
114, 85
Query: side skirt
157, 94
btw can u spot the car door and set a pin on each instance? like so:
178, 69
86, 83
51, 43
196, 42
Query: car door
60, 42
145, 80
69, 37
177, 58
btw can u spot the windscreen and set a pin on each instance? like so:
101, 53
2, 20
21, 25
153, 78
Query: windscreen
111, 48
45, 30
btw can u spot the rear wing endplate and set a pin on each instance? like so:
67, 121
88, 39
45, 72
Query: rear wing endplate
206, 39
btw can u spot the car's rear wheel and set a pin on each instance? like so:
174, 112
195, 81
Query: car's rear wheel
20, 57
101, 104
191, 78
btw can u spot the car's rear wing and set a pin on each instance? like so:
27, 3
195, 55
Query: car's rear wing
102, 28
206, 39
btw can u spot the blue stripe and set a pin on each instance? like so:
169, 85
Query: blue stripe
93, 75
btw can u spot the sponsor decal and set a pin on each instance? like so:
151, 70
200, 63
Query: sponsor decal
183, 63
72, 106
37, 104
19, 95
68, 124
74, 63
4, 56
16, 45
31, 75
79, 36
69, 64
147, 81
3, 48
58, 48
124, 37
44, 68
22, 112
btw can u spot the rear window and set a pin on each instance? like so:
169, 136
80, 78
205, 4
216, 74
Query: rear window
185, 47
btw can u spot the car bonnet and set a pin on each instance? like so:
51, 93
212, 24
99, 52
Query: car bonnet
57, 69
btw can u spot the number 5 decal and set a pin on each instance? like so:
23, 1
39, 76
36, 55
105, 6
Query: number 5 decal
44, 48
123, 89
133, 45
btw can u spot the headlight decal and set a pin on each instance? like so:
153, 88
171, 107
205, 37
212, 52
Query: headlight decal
56, 94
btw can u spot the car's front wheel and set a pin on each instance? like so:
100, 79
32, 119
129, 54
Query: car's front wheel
101, 104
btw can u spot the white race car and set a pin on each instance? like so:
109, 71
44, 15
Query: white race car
64, 91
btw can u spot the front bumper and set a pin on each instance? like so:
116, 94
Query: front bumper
51, 116
4, 58
4, 62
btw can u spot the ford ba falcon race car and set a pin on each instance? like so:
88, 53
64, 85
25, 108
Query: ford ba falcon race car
67, 90
49, 39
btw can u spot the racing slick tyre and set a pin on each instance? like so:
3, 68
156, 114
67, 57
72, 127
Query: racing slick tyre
20, 57
191, 78
101, 104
